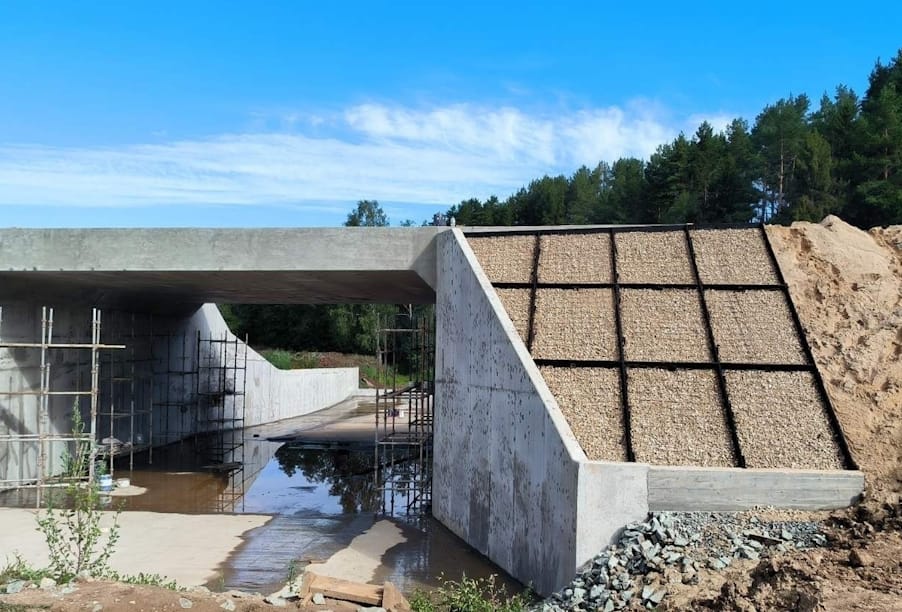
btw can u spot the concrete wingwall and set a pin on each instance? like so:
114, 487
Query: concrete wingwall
509, 476
272, 394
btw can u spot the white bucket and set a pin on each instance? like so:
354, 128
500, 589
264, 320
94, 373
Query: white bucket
106, 482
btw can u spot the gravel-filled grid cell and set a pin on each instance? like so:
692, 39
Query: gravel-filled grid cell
653, 257
516, 303
781, 421
574, 324
753, 327
732, 257
575, 258
677, 418
590, 401
663, 325
505, 259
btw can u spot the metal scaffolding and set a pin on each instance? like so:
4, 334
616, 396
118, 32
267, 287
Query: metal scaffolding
220, 396
146, 389
126, 409
404, 412
174, 374
40, 441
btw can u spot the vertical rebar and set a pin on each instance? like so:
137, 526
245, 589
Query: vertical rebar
95, 383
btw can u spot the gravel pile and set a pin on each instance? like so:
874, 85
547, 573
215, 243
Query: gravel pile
590, 401
574, 324
653, 257
575, 258
677, 418
781, 421
671, 548
516, 303
663, 325
733, 256
505, 259
753, 327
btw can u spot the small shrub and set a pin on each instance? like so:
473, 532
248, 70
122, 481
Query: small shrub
469, 595
74, 537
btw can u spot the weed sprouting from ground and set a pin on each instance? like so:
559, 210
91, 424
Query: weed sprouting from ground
19, 569
469, 595
74, 536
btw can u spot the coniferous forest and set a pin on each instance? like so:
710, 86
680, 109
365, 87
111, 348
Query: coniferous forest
800, 160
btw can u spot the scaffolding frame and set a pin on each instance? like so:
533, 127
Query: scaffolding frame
173, 364
404, 415
43, 435
221, 385
124, 395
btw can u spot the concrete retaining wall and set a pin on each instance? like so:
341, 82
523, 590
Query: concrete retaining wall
509, 477
273, 394
505, 478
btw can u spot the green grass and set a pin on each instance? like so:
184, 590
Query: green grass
287, 360
19, 569
146, 579
469, 595
383, 378
370, 371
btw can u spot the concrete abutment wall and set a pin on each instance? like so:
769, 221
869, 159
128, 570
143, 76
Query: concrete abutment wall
509, 476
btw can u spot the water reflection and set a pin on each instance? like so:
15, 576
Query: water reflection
320, 499
348, 474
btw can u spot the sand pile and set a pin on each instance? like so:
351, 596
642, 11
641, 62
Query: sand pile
847, 288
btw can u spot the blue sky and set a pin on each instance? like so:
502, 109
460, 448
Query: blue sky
286, 113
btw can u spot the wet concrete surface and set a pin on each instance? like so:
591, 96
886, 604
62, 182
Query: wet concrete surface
317, 482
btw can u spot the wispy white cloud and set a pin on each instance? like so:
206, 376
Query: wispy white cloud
436, 155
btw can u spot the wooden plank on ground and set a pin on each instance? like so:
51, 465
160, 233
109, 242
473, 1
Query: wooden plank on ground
346, 590
393, 600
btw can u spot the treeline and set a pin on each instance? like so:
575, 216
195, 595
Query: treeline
796, 162
343, 328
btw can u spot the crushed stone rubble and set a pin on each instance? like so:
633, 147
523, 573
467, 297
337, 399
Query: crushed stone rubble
671, 548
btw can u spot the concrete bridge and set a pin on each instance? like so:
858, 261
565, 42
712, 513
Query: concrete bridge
510, 477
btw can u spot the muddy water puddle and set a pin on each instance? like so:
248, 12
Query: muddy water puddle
319, 499
322, 499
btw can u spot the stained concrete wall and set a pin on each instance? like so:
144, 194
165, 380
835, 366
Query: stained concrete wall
505, 479
509, 476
